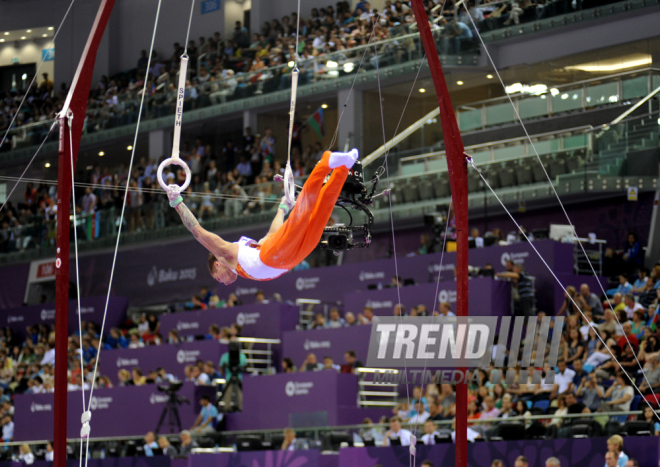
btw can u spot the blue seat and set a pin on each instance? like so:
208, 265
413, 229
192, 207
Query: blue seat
542, 404
635, 402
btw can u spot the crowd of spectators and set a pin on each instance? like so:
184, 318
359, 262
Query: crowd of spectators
230, 181
241, 63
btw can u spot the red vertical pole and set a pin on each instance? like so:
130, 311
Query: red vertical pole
457, 166
62, 296
76, 104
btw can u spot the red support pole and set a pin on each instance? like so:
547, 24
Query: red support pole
457, 166
76, 103
62, 296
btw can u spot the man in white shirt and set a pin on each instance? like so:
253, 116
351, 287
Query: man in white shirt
49, 356
421, 414
564, 378
478, 241
430, 433
7, 428
632, 306
471, 434
396, 432
445, 309
200, 378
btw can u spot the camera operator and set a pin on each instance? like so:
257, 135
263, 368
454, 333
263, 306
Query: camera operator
233, 363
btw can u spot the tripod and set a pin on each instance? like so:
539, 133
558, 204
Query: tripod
171, 410
233, 395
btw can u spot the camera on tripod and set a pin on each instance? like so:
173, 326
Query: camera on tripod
171, 410
438, 222
233, 369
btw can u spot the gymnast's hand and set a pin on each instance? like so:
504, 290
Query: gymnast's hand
173, 194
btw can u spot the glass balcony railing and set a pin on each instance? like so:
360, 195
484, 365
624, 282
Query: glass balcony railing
578, 96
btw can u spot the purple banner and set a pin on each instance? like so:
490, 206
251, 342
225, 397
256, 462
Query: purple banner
120, 411
487, 297
174, 358
589, 452
267, 321
326, 342
300, 400
308, 458
160, 461
174, 271
423, 269
91, 309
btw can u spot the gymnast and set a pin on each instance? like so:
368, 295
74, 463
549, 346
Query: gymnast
287, 243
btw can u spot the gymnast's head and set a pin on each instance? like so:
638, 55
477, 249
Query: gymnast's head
220, 271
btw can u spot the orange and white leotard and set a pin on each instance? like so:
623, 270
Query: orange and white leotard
250, 265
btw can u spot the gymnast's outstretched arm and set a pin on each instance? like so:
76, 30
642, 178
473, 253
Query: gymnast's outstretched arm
212, 242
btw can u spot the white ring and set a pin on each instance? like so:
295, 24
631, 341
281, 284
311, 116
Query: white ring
289, 185
180, 163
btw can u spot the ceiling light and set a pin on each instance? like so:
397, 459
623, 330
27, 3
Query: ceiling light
554, 91
513, 88
489, 76
129, 148
332, 64
422, 90
291, 64
349, 67
324, 106
2, 40
44, 35
51, 28
6, 34
101, 154
47, 165
23, 38
460, 83
29, 31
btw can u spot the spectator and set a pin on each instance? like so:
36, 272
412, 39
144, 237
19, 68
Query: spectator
352, 363
420, 414
588, 301
168, 449
7, 428
623, 288
564, 376
572, 407
445, 309
367, 316
25, 453
138, 378
198, 377
318, 323
150, 444
396, 432
521, 461
50, 452
288, 366
291, 443
591, 392
552, 461
615, 447
651, 376
649, 415
207, 418
633, 256
187, 443
611, 460
618, 397
523, 284
335, 320
328, 364
430, 433
631, 306
311, 364
350, 319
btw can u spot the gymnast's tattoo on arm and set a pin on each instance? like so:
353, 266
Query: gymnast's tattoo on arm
188, 218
